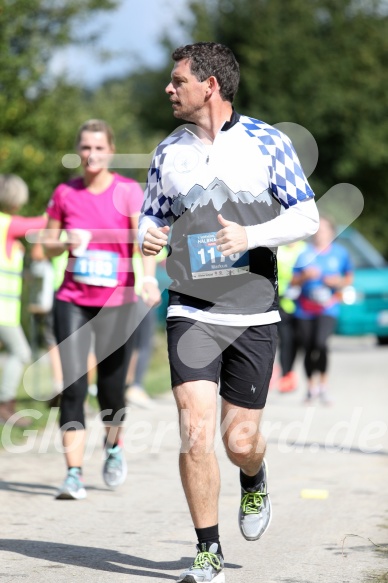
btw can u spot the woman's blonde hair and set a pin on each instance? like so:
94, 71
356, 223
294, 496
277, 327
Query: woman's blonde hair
96, 125
13, 192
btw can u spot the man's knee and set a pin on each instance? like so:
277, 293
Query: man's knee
242, 451
197, 433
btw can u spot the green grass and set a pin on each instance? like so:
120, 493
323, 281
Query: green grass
156, 382
42, 382
157, 378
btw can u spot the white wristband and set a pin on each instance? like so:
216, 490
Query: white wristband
150, 279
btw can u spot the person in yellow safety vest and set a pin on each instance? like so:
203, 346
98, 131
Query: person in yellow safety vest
58, 265
13, 195
288, 344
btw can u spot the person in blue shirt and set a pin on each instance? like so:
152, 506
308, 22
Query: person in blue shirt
322, 270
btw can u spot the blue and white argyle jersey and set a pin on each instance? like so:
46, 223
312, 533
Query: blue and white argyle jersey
156, 201
248, 158
288, 182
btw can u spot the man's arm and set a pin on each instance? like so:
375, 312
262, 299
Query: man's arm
156, 214
298, 218
295, 223
146, 240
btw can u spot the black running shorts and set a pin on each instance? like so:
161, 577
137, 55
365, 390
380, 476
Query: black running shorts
240, 359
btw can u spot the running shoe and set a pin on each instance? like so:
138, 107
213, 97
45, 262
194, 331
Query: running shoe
73, 487
324, 397
115, 467
311, 395
138, 397
288, 383
207, 566
255, 510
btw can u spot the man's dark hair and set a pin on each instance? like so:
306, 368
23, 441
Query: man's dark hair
212, 59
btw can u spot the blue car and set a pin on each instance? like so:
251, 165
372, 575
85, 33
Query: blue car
365, 303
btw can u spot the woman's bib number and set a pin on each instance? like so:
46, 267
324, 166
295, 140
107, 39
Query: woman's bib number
97, 268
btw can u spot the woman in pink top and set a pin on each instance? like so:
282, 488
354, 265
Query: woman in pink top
13, 195
99, 213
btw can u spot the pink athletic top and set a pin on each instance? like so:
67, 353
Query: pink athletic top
103, 274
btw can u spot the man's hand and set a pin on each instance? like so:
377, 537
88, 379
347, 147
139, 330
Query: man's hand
232, 238
155, 239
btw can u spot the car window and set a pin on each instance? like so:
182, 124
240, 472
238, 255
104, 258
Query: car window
362, 253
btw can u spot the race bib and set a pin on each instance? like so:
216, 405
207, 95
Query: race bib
97, 268
206, 261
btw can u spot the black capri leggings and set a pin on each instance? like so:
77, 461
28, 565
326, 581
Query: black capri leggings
113, 328
313, 335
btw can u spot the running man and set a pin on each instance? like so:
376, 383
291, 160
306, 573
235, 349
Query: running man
223, 192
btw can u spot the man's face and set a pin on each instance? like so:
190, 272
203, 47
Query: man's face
187, 94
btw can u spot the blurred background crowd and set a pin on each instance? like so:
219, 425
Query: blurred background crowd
317, 63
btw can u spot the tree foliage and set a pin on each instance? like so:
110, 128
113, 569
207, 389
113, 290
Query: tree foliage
317, 63
38, 113
321, 64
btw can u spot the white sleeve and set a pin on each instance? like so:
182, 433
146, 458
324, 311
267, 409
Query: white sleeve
147, 221
293, 224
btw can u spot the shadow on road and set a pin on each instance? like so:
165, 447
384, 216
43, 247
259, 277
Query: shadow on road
35, 489
97, 558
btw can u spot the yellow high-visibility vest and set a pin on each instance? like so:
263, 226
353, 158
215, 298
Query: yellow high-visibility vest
137, 266
11, 272
59, 264
286, 258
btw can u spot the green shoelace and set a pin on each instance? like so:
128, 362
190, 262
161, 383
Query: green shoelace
205, 558
252, 501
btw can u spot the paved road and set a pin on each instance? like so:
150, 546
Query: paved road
142, 531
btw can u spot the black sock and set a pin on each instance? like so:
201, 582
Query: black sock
207, 536
249, 482
75, 468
